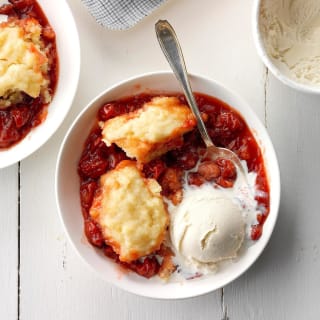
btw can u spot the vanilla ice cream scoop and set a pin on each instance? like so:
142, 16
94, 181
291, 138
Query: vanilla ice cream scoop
207, 227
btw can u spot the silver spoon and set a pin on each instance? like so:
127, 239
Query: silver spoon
171, 48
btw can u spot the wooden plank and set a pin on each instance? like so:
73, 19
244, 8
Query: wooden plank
284, 282
9, 234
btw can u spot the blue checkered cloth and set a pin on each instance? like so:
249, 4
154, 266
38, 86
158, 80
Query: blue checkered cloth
120, 14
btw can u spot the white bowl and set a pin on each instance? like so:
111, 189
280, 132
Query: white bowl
278, 69
68, 48
68, 201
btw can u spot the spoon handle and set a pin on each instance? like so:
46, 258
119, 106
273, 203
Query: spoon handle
171, 48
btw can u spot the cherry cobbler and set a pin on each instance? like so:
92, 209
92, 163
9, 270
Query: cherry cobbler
137, 161
28, 69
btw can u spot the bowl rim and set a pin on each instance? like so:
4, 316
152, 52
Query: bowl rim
275, 174
267, 60
21, 153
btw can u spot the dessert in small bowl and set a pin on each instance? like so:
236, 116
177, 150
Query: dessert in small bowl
144, 207
39, 67
286, 35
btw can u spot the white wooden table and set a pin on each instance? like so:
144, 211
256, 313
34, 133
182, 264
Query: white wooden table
41, 277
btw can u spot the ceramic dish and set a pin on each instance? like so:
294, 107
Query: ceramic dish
68, 49
68, 201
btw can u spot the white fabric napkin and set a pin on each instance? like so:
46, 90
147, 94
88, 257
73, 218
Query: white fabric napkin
120, 14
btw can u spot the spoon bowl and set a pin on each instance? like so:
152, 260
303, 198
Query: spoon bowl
171, 48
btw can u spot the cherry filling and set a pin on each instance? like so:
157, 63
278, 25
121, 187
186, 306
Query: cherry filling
226, 128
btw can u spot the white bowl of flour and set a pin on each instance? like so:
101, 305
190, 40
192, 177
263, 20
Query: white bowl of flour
287, 37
